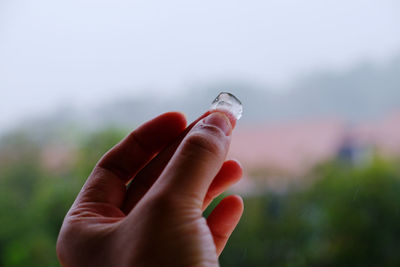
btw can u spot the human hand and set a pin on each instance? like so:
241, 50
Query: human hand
157, 220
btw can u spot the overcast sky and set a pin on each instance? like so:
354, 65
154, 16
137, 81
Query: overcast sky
83, 52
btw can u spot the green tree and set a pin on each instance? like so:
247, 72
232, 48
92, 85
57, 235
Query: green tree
348, 217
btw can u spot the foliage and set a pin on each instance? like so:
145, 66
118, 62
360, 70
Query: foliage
34, 200
349, 216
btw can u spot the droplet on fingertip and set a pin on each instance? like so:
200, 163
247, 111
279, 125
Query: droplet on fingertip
228, 102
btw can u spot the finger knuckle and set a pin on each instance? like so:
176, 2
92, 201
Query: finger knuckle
206, 142
174, 205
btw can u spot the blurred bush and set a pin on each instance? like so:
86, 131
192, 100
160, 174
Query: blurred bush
34, 199
348, 216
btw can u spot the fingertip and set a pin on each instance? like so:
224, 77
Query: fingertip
237, 162
230, 209
230, 173
239, 203
175, 117
224, 219
229, 115
235, 167
162, 129
233, 204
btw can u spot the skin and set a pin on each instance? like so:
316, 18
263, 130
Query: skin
142, 204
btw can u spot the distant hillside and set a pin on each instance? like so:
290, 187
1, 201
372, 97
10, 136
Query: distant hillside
363, 92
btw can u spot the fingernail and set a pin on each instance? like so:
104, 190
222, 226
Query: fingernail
220, 120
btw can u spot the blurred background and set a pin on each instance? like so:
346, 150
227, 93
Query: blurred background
319, 138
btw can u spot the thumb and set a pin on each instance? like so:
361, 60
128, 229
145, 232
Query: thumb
198, 159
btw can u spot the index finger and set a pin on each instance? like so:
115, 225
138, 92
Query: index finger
107, 183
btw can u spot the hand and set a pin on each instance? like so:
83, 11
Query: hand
157, 220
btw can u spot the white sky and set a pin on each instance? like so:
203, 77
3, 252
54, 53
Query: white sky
85, 51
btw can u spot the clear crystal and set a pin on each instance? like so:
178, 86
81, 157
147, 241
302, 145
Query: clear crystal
228, 102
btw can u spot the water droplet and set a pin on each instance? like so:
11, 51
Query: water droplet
228, 102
